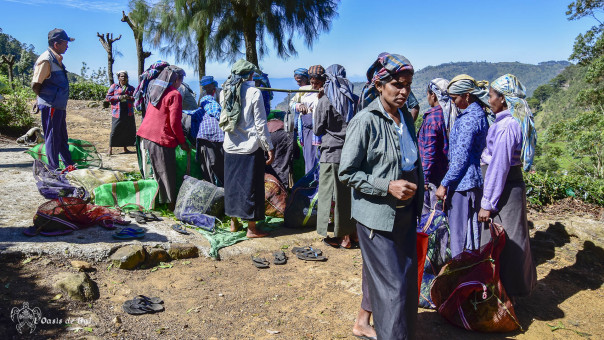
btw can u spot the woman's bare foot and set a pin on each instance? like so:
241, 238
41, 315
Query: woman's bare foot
253, 232
110, 151
235, 225
126, 150
346, 242
362, 327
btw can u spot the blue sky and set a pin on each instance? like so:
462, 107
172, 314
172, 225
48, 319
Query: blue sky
428, 32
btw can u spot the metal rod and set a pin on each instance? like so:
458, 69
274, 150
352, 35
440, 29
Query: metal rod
282, 90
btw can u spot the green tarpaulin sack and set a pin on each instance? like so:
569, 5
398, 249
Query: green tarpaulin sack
185, 163
140, 193
83, 154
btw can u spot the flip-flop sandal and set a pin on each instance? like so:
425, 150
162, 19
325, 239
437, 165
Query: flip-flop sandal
310, 256
332, 242
363, 337
138, 216
353, 245
179, 228
260, 262
125, 234
152, 217
154, 300
279, 257
296, 250
135, 230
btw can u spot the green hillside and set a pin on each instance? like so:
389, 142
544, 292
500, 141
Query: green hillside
557, 99
531, 75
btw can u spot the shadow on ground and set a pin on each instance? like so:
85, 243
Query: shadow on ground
18, 286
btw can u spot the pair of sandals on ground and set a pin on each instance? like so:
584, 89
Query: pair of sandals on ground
279, 257
143, 305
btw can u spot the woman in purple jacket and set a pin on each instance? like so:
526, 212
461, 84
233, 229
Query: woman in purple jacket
510, 143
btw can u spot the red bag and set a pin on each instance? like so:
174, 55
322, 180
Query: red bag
275, 196
468, 291
65, 214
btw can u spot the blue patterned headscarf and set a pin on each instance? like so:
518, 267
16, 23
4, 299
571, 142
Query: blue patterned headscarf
301, 72
339, 90
514, 92
386, 65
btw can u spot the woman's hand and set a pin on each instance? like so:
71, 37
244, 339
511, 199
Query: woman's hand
302, 108
271, 157
185, 146
484, 215
441, 193
321, 92
401, 189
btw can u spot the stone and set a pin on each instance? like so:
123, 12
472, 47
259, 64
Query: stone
83, 266
183, 251
128, 257
155, 256
78, 287
117, 320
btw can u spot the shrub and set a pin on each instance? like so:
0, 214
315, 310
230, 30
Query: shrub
87, 91
15, 109
545, 188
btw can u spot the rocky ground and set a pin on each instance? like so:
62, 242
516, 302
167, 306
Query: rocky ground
232, 299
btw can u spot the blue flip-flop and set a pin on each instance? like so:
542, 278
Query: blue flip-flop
179, 228
129, 233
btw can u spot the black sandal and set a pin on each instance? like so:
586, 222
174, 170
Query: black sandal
260, 262
279, 257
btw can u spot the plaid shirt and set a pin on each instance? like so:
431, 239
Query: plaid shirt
113, 96
207, 117
433, 145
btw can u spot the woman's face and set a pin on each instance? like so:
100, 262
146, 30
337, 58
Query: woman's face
177, 82
316, 83
301, 80
496, 101
396, 91
432, 100
123, 78
462, 101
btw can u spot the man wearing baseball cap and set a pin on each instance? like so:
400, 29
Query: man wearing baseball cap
51, 85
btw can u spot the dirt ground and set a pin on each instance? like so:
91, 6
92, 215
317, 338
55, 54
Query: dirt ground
231, 299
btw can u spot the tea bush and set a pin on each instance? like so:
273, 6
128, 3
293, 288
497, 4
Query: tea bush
545, 188
15, 108
87, 91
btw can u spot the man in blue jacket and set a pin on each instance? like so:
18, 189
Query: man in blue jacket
51, 85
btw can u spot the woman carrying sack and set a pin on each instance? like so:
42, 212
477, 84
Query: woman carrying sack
510, 143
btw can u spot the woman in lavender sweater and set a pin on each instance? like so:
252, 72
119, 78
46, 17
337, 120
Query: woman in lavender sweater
510, 143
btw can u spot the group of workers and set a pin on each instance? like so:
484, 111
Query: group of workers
377, 176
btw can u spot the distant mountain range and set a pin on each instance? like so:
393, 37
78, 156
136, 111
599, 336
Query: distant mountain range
530, 75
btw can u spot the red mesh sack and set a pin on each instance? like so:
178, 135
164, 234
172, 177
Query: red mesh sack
468, 292
65, 214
